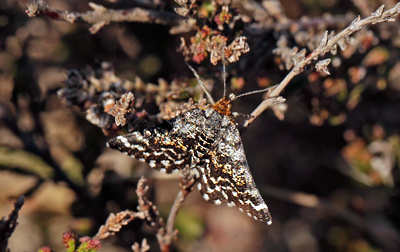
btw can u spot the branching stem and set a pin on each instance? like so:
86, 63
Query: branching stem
326, 45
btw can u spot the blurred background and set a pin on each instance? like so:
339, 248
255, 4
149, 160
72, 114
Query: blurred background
329, 171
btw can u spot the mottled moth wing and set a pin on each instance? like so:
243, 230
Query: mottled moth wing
224, 173
210, 142
161, 148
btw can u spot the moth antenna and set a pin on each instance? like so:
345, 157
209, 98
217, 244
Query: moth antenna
253, 92
224, 72
201, 83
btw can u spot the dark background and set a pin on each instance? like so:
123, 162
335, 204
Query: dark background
329, 171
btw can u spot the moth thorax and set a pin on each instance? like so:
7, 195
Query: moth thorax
223, 106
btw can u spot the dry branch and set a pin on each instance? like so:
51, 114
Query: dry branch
115, 222
101, 16
328, 44
148, 212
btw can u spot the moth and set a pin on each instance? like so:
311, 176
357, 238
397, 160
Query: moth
205, 139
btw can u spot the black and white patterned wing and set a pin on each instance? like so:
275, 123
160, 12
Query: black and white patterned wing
208, 140
160, 147
226, 177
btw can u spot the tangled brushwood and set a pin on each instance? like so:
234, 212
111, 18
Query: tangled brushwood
231, 49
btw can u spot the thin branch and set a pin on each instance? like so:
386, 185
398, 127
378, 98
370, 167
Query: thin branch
179, 199
147, 211
101, 16
187, 182
165, 236
115, 222
326, 45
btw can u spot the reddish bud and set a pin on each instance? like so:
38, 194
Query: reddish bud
68, 239
84, 239
44, 249
94, 244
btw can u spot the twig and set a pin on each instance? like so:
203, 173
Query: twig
187, 182
165, 236
7, 227
186, 188
147, 211
179, 199
326, 45
115, 222
152, 216
101, 16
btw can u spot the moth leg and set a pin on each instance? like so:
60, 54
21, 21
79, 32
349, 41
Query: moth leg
236, 114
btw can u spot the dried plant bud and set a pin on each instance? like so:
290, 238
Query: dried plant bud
217, 48
322, 65
150, 211
181, 2
144, 247
86, 87
168, 113
97, 7
210, 42
96, 115
96, 93
354, 26
333, 49
33, 7
182, 11
378, 13
186, 8
290, 56
280, 110
282, 42
342, 44
115, 222
238, 47
76, 91
324, 39
299, 56
122, 109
